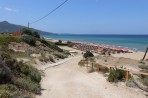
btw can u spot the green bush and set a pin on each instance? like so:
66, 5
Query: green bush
103, 69
44, 59
51, 58
9, 91
60, 55
29, 40
88, 54
27, 84
116, 75
31, 72
54, 47
27, 31
66, 52
44, 42
5, 56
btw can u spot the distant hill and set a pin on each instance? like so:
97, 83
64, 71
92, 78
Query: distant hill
6, 27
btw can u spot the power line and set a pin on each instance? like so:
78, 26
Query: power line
49, 13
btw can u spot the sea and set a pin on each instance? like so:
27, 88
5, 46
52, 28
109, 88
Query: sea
134, 42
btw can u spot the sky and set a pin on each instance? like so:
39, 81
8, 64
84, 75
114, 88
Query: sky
79, 16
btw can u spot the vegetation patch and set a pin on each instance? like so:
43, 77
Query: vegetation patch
103, 69
6, 39
20, 76
60, 55
29, 40
116, 75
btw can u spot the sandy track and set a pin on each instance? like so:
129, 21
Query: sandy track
70, 81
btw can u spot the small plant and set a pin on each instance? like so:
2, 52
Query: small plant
116, 75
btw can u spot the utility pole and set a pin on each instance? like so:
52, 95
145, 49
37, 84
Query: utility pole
145, 54
28, 25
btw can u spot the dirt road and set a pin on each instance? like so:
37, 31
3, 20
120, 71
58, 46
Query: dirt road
70, 81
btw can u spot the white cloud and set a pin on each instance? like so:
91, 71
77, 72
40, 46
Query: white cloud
10, 9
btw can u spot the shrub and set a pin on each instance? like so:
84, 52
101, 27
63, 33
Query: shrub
103, 69
31, 72
6, 39
5, 56
51, 58
66, 52
60, 55
82, 63
43, 58
54, 47
9, 91
116, 74
44, 42
29, 40
88, 54
27, 84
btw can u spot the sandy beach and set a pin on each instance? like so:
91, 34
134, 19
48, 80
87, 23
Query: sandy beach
135, 55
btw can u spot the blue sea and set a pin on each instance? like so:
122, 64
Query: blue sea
136, 42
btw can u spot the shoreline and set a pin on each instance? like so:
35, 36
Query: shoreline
137, 55
56, 40
129, 47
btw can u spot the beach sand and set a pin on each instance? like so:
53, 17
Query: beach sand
134, 55
68, 80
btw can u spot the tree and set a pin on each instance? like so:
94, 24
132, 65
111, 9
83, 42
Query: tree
88, 54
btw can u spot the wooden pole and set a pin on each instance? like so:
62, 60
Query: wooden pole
127, 75
98, 67
110, 69
145, 53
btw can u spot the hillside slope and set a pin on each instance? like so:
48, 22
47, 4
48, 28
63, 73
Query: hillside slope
6, 27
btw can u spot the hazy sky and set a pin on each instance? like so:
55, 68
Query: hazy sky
80, 16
